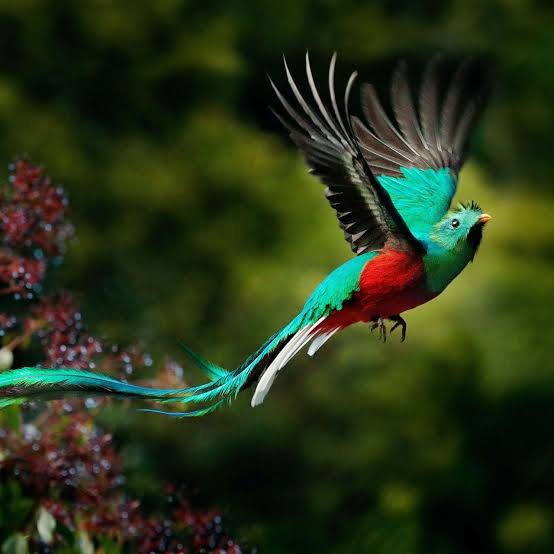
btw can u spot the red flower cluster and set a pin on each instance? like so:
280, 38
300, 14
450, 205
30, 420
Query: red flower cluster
70, 468
32, 212
62, 333
32, 228
64, 457
21, 276
60, 459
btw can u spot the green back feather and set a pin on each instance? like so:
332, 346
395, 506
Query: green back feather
421, 196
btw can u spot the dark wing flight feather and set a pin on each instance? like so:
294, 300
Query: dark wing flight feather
449, 113
364, 209
433, 137
403, 106
428, 113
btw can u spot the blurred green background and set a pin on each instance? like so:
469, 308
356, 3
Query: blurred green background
197, 220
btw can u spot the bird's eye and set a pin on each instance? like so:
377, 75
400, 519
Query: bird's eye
455, 223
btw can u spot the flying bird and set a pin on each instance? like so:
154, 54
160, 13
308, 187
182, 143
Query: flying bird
391, 181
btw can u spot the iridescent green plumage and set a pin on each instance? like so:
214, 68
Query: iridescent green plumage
421, 196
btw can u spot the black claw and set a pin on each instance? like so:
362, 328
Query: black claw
379, 324
399, 322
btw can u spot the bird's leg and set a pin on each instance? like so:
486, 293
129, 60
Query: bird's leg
373, 326
379, 323
399, 322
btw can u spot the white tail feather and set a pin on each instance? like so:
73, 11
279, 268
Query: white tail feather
298, 341
320, 340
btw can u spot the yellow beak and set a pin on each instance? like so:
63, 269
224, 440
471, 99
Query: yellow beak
483, 218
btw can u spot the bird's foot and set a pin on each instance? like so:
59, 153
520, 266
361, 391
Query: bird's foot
379, 324
399, 322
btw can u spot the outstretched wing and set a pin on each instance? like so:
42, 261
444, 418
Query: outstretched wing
417, 157
364, 208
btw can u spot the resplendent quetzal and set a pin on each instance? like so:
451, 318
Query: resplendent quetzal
391, 182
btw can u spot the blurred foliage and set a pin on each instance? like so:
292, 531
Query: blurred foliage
197, 220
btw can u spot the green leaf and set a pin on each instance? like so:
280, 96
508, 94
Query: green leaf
10, 418
14, 507
46, 524
16, 544
109, 546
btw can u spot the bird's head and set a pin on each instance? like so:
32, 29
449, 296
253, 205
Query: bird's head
461, 228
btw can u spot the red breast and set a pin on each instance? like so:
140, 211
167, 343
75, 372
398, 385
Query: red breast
390, 283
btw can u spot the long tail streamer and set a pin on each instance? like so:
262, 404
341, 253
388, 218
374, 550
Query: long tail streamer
32, 383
